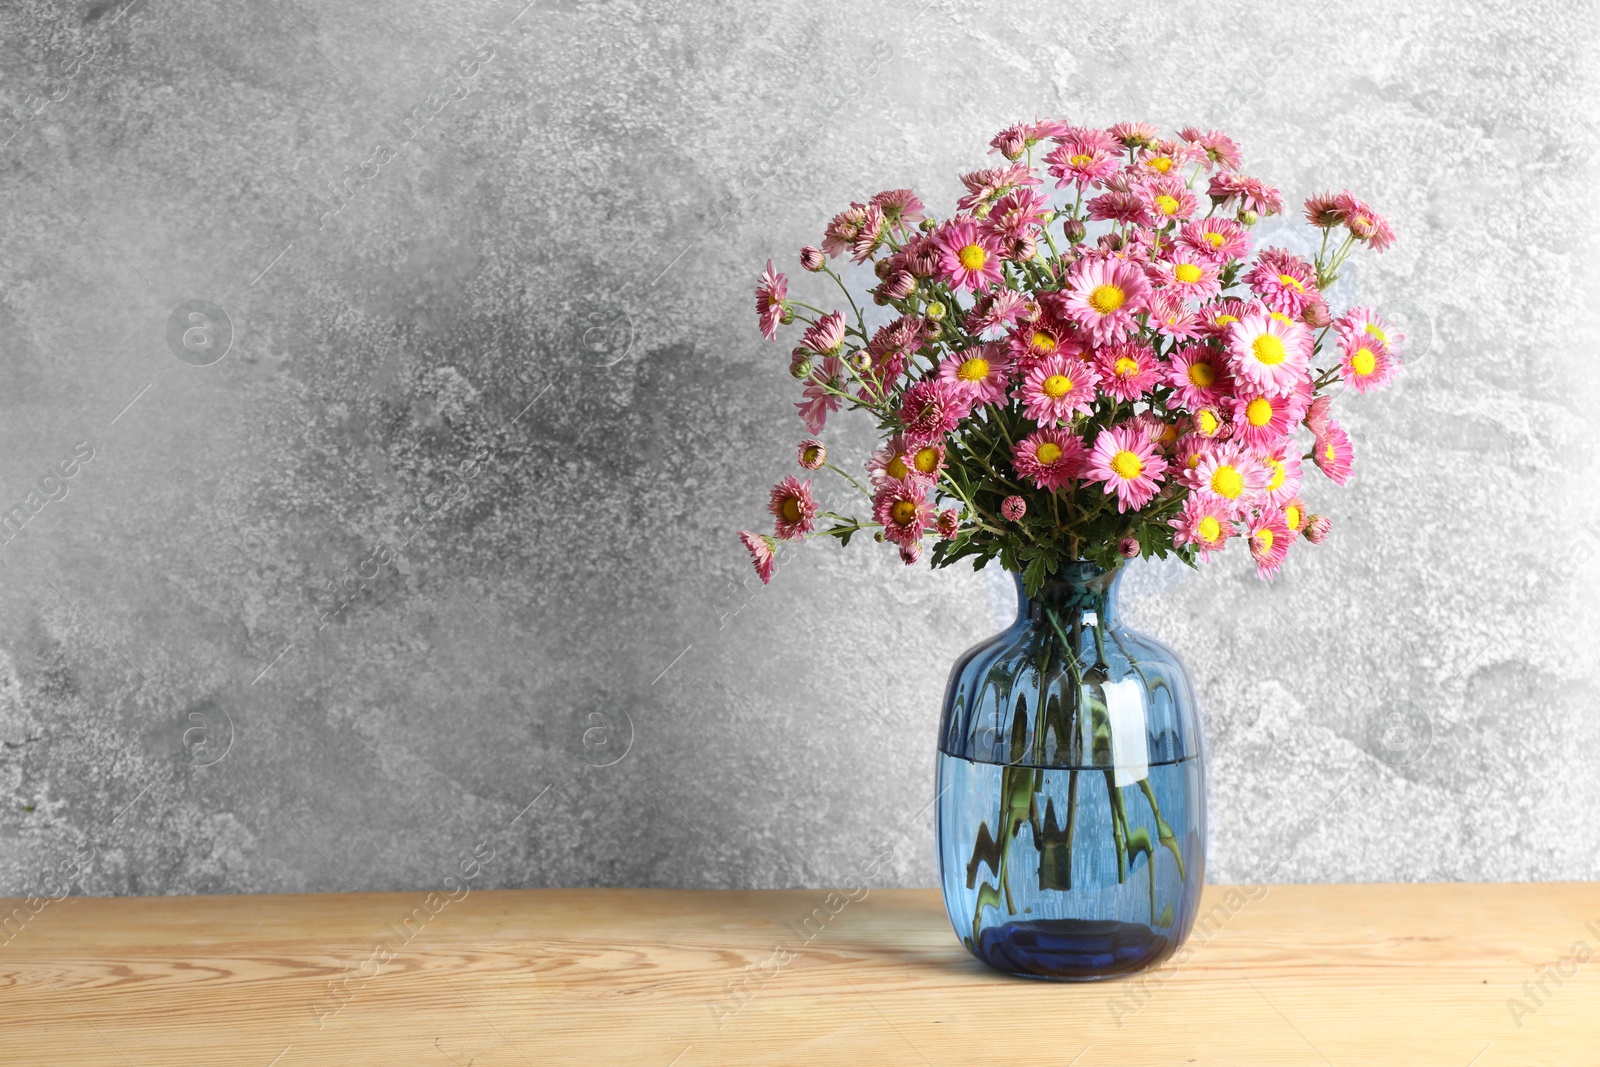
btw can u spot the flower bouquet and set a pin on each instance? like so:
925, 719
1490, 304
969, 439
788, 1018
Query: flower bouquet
1089, 362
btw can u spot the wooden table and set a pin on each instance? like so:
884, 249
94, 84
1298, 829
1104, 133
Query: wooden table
1341, 975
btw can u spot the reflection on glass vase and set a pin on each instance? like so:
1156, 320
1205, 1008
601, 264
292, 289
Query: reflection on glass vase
1071, 807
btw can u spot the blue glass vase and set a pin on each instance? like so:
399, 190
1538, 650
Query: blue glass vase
1071, 806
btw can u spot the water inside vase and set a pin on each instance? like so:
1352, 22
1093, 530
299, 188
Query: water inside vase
1065, 875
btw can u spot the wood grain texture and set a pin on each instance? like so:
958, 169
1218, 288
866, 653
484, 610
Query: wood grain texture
1327, 975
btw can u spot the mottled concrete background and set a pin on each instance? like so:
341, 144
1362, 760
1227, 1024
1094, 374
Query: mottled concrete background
521, 340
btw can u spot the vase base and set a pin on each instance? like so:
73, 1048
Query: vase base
1072, 950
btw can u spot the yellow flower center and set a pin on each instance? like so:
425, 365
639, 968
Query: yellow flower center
1210, 529
1329, 454
1125, 367
1107, 298
1081, 160
897, 468
1203, 375
1289, 281
926, 460
1291, 517
1268, 349
1227, 482
1363, 362
1160, 164
1373, 329
1167, 205
1278, 474
902, 512
1213, 239
1186, 272
1048, 453
972, 257
1126, 465
790, 509
1264, 539
1042, 342
1258, 411
975, 369
1223, 320
1057, 386
1280, 316
1208, 422
812, 453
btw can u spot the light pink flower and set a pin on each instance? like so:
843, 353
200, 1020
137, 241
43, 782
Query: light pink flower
1366, 224
811, 454
1158, 431
794, 508
1262, 421
1318, 528
1012, 141
910, 553
760, 547
1012, 508
1203, 523
1365, 320
1127, 369
1218, 146
819, 402
1283, 281
1365, 362
949, 524
1250, 194
1227, 477
1049, 457
984, 370
770, 305
1080, 164
869, 236
843, 229
996, 309
1188, 275
1269, 541
1018, 214
902, 209
1316, 417
931, 408
892, 345
825, 335
1325, 210
1120, 205
1170, 318
1105, 296
1284, 476
1332, 452
969, 258
1055, 388
1128, 464
1043, 335
1167, 200
985, 186
811, 258
1218, 240
889, 462
902, 507
1135, 134
1200, 375
1268, 353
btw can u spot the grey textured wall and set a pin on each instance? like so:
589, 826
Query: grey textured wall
548, 279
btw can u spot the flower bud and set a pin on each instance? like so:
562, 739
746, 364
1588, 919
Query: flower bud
788, 315
1317, 315
910, 553
1128, 547
981, 211
861, 361
813, 454
1074, 229
1013, 508
1246, 217
800, 364
1317, 527
1317, 415
898, 286
926, 225
935, 311
1047, 216
878, 537
882, 268
949, 522
1111, 242
811, 258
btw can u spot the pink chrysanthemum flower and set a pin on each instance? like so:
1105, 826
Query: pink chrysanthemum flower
903, 510
996, 309
1012, 508
1317, 528
1283, 281
984, 370
1268, 353
1128, 464
1284, 476
869, 236
1189, 276
1227, 477
820, 402
1091, 137
1031, 341
1332, 452
1018, 214
1204, 524
1167, 200
1159, 432
811, 258
793, 508
1317, 414
1191, 448
771, 292
902, 209
1164, 157
911, 553
1365, 224
1250, 194
931, 408
825, 335
1269, 541
969, 258
1170, 318
892, 346
1134, 134
1218, 146
1262, 421
1081, 164
843, 229
889, 461
762, 557
1211, 420
1049, 457
1127, 370
1055, 388
1012, 141
1365, 362
1218, 315
986, 186
1294, 518
949, 524
1200, 375
1105, 296
1119, 205
811, 454
1325, 210
1365, 320
1218, 240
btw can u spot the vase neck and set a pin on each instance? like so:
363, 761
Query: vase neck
1081, 591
